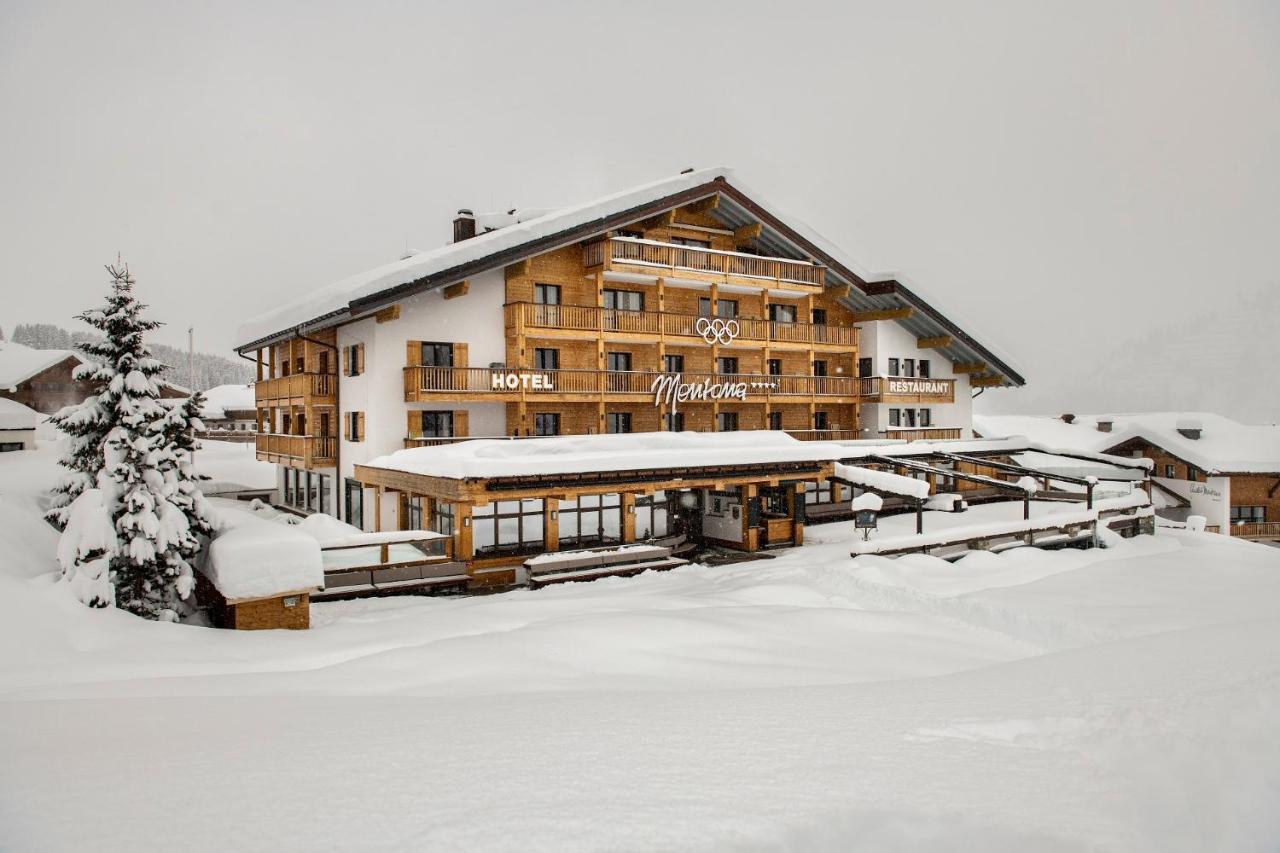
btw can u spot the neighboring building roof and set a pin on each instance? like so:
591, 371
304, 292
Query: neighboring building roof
221, 399
1224, 446
783, 236
14, 415
576, 454
18, 362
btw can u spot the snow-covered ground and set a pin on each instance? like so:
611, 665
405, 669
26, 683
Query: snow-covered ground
1117, 699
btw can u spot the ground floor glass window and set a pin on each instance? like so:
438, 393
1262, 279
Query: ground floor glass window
591, 520
1248, 514
653, 514
508, 527
355, 504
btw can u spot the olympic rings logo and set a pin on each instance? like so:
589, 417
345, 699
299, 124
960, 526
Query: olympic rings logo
717, 330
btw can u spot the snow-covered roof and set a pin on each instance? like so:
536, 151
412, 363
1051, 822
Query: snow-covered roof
257, 558
18, 362
1224, 445
223, 398
14, 415
572, 454
518, 229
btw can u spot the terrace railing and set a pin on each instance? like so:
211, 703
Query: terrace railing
419, 380
628, 250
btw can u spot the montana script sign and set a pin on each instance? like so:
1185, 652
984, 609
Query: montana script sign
670, 388
917, 386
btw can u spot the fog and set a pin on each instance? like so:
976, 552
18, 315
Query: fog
1070, 176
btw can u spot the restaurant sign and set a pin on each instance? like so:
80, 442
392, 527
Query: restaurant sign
916, 386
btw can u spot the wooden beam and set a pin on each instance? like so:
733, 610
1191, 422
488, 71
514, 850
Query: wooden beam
747, 232
937, 342
455, 290
986, 381
968, 366
666, 220
703, 205
885, 314
519, 268
386, 315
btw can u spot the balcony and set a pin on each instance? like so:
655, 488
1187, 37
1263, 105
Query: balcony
905, 389
423, 384
297, 387
657, 258
1261, 530
572, 320
300, 451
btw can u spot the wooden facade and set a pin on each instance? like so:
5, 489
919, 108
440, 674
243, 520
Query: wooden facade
297, 398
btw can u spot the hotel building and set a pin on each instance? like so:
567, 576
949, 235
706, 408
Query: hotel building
688, 304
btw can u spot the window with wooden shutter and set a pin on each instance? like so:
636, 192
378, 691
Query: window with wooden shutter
460, 425
460, 356
413, 353
414, 426
346, 361
360, 420
360, 358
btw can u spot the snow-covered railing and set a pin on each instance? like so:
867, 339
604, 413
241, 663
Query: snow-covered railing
630, 250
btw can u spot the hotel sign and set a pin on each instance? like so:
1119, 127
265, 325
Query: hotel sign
516, 381
916, 386
671, 389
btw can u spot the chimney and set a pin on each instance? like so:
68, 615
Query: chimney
1104, 426
464, 226
1068, 418
1189, 428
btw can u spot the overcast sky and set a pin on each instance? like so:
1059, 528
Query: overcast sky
1063, 174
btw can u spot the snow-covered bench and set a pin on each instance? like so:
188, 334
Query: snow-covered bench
591, 563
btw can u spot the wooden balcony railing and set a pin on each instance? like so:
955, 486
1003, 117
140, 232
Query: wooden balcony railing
590, 318
824, 434
628, 250
307, 449
921, 433
903, 389
1255, 529
296, 386
420, 381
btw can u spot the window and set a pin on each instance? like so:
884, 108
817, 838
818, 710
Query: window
673, 421
630, 233
10, 446
727, 422
652, 514
727, 308
618, 361
704, 307
287, 493
909, 418
623, 300
819, 367
617, 422
415, 507
895, 417
286, 421
591, 520
922, 367
775, 500
437, 354
820, 421
909, 367
689, 241
926, 417
865, 367
355, 426
727, 364
313, 490
893, 367
322, 484
437, 425
775, 367
546, 358
819, 318
355, 358
782, 313
546, 294
354, 509
508, 527
673, 363
817, 493
1169, 471
774, 420
546, 423
443, 517
1248, 514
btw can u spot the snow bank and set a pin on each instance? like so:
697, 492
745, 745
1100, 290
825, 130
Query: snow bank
254, 558
571, 454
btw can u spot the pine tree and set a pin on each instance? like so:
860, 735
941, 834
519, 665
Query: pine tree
177, 462
122, 444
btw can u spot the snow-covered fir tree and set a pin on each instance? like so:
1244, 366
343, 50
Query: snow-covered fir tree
177, 462
131, 448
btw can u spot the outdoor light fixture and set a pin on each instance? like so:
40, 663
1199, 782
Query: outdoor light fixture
466, 522
555, 514
291, 601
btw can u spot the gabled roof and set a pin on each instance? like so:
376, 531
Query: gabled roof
780, 236
221, 399
14, 415
1224, 446
18, 363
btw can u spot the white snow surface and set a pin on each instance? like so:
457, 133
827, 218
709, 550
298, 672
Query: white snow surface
14, 415
232, 466
565, 454
256, 558
884, 481
18, 362
221, 398
1115, 699
1224, 445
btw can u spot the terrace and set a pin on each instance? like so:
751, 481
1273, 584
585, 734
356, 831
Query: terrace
654, 258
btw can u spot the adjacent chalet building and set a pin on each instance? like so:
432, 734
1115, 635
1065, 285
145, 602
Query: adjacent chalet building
17, 426
1205, 464
44, 379
685, 305
229, 412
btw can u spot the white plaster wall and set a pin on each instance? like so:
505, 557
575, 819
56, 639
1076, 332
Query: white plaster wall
885, 339
25, 437
725, 526
1212, 499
